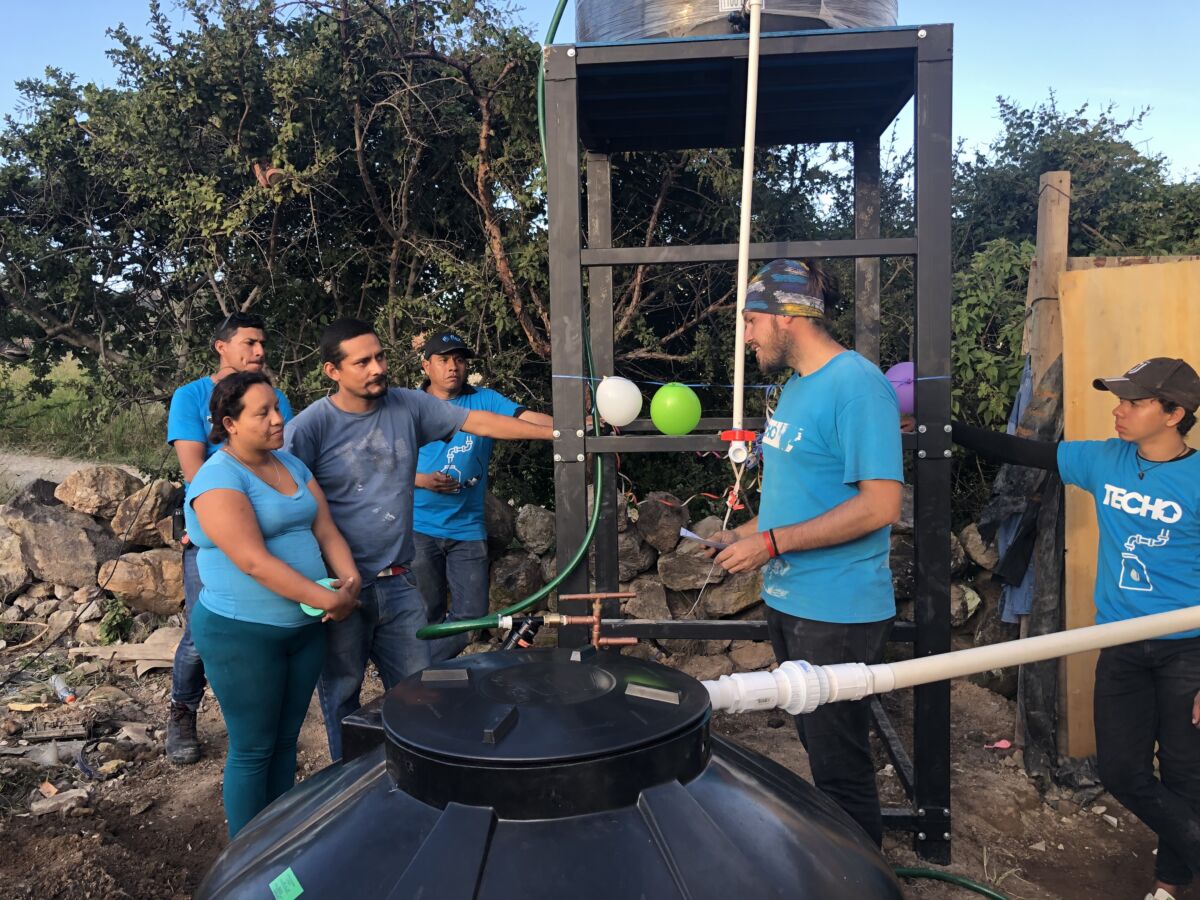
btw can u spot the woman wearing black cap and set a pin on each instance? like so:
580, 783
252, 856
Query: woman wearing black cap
1146, 486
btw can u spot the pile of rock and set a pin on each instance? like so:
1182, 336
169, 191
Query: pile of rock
674, 580
64, 547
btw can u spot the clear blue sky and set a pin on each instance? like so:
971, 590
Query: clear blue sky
1093, 51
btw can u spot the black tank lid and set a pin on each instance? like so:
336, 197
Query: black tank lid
545, 732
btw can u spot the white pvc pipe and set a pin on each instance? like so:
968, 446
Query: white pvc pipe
800, 687
738, 451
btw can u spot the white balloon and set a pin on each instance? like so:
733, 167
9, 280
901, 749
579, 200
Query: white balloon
618, 400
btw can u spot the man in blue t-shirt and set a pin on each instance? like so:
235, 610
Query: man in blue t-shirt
832, 477
361, 445
452, 479
1145, 483
239, 342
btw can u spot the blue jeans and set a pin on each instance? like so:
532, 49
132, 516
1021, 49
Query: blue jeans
263, 677
458, 568
383, 630
187, 672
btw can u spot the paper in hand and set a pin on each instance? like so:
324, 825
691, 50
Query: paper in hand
692, 536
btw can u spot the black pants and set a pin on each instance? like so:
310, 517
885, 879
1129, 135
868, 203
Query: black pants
1144, 694
837, 735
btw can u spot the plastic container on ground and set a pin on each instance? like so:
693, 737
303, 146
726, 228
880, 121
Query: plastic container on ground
547, 774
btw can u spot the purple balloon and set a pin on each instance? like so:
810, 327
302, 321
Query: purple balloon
902, 376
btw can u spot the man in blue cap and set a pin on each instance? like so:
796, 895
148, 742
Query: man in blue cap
832, 477
451, 560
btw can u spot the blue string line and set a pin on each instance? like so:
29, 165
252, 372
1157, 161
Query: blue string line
661, 383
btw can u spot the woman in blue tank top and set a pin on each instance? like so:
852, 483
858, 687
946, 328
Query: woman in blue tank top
261, 527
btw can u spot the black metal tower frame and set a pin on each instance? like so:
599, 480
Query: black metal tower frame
815, 87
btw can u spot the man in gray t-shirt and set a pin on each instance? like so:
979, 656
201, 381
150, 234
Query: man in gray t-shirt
361, 444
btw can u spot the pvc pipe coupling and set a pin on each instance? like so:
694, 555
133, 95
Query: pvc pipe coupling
797, 687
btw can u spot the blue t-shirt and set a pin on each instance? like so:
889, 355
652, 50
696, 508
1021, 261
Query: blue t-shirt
465, 458
1148, 558
188, 418
286, 526
832, 429
365, 463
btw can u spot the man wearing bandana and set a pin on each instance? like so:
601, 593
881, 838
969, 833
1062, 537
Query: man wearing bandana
832, 477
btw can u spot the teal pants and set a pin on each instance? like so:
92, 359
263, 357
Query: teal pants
264, 677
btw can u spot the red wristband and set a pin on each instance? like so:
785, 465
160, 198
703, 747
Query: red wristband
772, 552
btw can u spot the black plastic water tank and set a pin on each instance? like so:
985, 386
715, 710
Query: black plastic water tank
549, 774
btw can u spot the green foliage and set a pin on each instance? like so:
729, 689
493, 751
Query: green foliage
987, 317
117, 622
408, 190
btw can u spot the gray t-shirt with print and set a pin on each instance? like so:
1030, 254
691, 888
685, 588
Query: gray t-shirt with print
365, 463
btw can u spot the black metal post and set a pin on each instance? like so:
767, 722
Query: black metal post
931, 707
566, 326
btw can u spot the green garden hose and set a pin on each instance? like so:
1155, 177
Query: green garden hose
957, 880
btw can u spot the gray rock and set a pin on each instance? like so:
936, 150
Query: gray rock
549, 565
26, 603
751, 656
650, 602
732, 595
87, 633
685, 647
688, 568
535, 528
14, 573
958, 556
136, 517
633, 555
38, 492
60, 621
150, 582
12, 614
981, 553
92, 612
660, 516
514, 577
144, 625
63, 591
500, 522
97, 490
964, 603
706, 668
44, 609
60, 545
905, 524
87, 594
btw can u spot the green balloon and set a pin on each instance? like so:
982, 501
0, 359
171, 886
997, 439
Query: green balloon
675, 409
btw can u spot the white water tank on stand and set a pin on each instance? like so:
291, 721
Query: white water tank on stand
631, 20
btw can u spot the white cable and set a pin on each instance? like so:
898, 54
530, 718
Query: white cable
737, 449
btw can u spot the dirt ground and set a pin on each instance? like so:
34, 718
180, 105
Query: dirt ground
153, 829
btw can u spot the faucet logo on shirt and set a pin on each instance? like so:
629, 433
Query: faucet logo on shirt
1134, 574
775, 432
450, 468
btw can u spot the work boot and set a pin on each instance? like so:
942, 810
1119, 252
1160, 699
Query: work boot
183, 746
